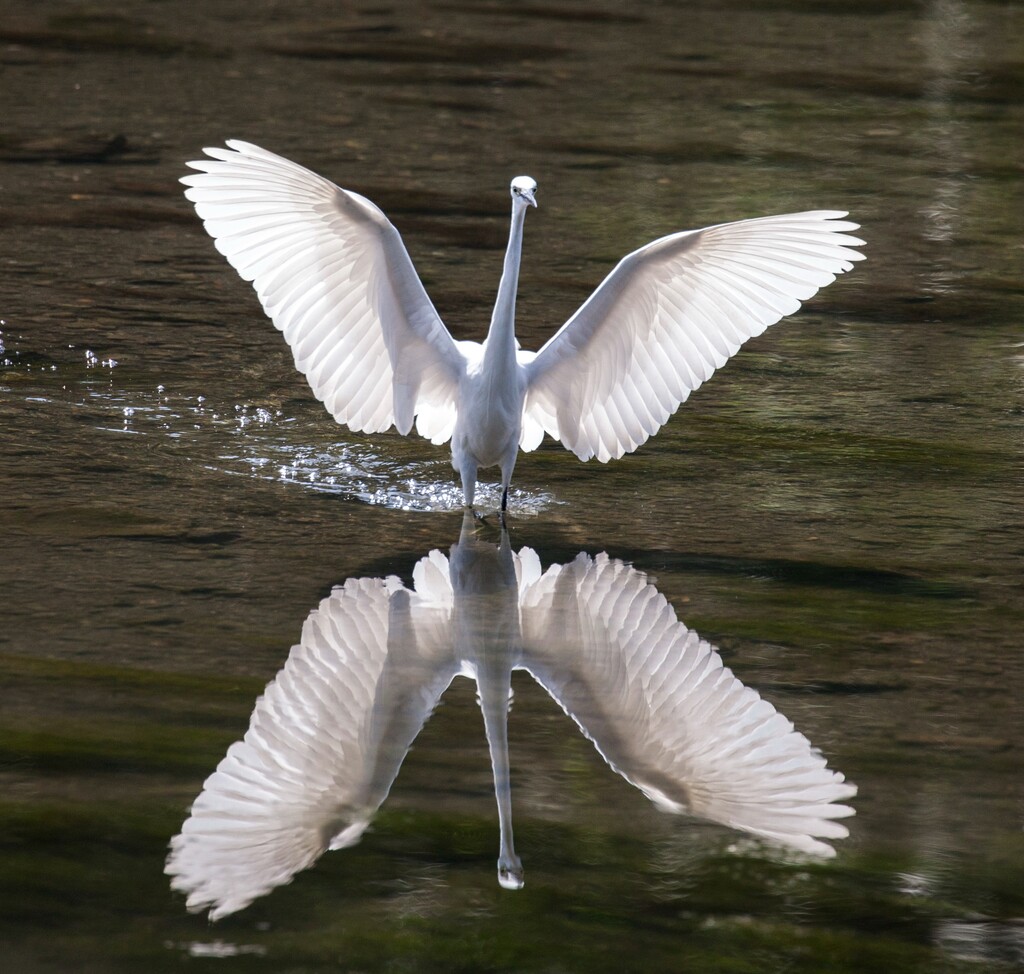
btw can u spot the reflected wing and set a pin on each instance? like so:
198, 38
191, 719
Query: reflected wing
334, 276
324, 745
667, 715
666, 317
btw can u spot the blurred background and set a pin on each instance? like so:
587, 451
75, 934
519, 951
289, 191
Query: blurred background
838, 511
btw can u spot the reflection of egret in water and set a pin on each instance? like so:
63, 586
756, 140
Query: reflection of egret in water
327, 738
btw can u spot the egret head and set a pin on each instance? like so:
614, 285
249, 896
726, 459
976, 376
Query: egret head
523, 188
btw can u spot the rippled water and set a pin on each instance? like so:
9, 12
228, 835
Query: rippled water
838, 511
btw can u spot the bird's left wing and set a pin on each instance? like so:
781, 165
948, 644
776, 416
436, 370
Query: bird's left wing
334, 276
667, 715
666, 318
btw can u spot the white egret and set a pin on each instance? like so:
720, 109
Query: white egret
334, 276
328, 737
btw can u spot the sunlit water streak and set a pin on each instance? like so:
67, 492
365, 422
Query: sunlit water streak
983, 940
216, 948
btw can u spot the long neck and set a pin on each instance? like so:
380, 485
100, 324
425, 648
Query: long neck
486, 631
501, 338
494, 701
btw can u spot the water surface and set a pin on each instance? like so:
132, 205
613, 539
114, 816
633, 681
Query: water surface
838, 511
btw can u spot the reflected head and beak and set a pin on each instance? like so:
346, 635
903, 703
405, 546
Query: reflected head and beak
510, 872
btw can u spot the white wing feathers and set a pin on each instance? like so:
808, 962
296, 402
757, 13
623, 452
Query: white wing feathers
299, 776
667, 317
667, 715
323, 747
334, 276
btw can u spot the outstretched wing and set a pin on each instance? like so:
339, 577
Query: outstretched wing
334, 276
666, 317
667, 715
324, 744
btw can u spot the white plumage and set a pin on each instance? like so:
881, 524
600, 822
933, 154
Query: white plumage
329, 735
334, 276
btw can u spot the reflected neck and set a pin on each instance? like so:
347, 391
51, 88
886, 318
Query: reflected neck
495, 698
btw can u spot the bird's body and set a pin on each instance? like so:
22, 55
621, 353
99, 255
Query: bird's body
488, 423
334, 276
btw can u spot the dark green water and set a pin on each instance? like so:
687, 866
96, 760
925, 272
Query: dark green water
839, 511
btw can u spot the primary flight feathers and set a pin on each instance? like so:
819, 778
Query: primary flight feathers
334, 276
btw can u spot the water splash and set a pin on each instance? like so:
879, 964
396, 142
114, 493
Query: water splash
243, 439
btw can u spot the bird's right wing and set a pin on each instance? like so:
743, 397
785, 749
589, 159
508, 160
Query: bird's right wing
667, 715
332, 273
666, 318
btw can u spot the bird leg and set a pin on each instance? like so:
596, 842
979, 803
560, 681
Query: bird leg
467, 471
507, 466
